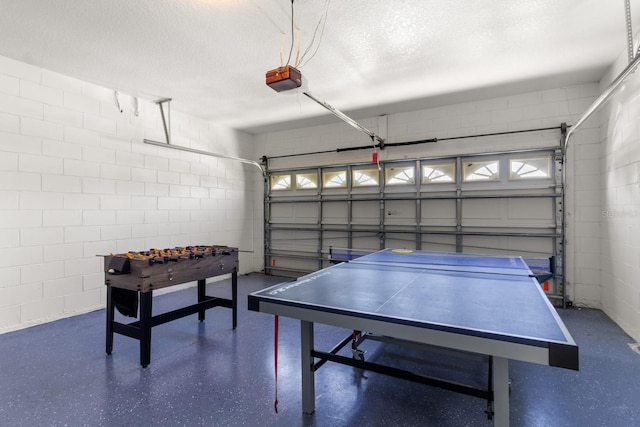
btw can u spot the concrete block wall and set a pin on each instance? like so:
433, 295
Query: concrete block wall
77, 181
539, 109
619, 189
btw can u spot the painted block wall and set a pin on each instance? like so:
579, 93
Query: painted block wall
546, 108
619, 187
77, 181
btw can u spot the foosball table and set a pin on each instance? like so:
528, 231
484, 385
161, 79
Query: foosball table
132, 277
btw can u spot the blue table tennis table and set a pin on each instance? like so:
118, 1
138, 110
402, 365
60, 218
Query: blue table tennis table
479, 304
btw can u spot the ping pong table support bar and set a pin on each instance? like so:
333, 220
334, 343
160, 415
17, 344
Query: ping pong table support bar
342, 344
332, 356
497, 393
404, 374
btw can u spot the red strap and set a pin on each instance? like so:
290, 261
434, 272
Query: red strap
275, 359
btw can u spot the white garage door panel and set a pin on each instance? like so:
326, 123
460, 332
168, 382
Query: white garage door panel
306, 211
294, 263
365, 212
306, 241
330, 240
529, 247
516, 213
438, 212
491, 245
399, 212
436, 242
281, 239
367, 242
334, 212
282, 211
399, 241
492, 209
538, 209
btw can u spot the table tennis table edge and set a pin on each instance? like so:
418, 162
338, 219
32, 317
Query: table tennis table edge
557, 354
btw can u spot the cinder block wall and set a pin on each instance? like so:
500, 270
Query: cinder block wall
76, 181
619, 217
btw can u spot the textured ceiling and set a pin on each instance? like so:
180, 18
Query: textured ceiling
371, 56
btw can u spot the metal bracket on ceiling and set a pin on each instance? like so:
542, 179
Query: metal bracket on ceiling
117, 97
166, 121
137, 106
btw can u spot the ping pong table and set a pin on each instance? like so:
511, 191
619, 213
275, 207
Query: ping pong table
484, 305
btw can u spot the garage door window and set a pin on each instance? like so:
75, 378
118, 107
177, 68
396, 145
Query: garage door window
305, 181
434, 174
481, 171
334, 179
365, 177
400, 175
280, 182
537, 167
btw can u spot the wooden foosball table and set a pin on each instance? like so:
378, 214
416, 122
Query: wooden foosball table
132, 277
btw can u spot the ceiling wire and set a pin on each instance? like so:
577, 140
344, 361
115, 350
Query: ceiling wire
281, 49
292, 34
256, 4
298, 48
323, 21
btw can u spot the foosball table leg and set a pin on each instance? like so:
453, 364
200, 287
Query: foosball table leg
110, 317
145, 328
202, 295
234, 297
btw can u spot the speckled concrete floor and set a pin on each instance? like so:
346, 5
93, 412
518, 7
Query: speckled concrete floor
207, 374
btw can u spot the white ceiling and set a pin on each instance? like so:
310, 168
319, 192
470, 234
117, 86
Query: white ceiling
373, 57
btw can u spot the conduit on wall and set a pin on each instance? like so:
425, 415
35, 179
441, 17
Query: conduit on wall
604, 97
166, 123
606, 94
205, 153
634, 61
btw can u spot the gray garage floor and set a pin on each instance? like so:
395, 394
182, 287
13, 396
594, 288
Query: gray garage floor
58, 374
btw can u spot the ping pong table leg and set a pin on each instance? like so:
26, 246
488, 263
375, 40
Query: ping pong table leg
500, 391
308, 380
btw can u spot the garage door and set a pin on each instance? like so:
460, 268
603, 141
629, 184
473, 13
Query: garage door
507, 203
